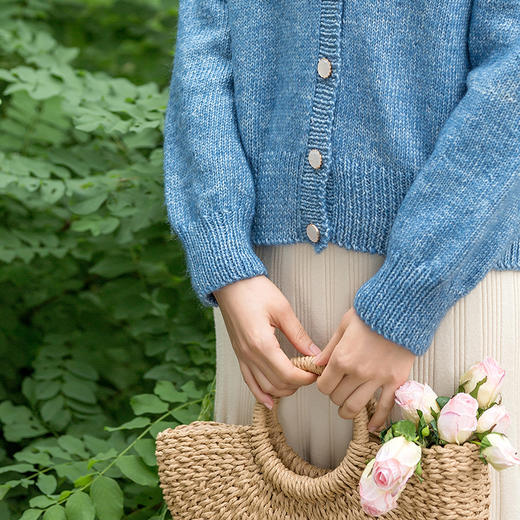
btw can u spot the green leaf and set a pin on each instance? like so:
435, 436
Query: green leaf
55, 512
47, 389
96, 224
386, 434
146, 449
190, 389
113, 266
79, 506
186, 415
84, 480
442, 400
73, 445
90, 205
474, 392
167, 392
46, 483
137, 422
80, 390
51, 408
18, 468
31, 514
405, 428
135, 469
147, 403
41, 501
81, 369
107, 498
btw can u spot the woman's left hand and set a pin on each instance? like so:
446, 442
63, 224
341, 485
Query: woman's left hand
359, 361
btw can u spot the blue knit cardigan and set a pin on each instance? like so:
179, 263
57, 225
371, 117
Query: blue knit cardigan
385, 126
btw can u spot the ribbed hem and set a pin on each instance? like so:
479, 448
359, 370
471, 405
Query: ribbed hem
219, 252
403, 303
364, 200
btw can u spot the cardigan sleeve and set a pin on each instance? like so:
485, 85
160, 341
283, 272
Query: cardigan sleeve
462, 211
208, 183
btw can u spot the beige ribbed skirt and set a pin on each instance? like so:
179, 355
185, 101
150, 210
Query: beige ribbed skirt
321, 288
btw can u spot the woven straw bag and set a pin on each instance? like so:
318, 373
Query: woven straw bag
219, 471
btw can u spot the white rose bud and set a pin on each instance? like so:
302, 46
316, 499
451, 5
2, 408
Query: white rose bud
499, 452
495, 419
412, 396
458, 418
488, 392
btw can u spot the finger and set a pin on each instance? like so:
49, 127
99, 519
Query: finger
358, 399
345, 388
251, 382
270, 387
295, 332
324, 356
278, 368
331, 376
383, 408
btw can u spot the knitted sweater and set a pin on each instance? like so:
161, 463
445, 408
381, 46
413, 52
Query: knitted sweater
385, 126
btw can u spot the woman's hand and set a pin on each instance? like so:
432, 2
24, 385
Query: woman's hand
252, 308
359, 361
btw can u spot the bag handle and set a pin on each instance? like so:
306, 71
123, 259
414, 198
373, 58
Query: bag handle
325, 484
263, 416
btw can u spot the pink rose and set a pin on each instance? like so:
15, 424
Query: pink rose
385, 476
412, 396
458, 418
498, 451
375, 501
495, 419
389, 473
488, 392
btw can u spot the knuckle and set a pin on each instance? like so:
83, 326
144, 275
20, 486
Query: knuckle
384, 406
395, 379
363, 371
320, 386
300, 332
342, 413
269, 388
255, 339
284, 383
347, 412
335, 400
351, 408
339, 361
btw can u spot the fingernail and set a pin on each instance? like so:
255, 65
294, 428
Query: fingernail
269, 405
315, 349
372, 428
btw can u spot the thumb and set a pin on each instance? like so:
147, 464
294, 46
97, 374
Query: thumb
323, 357
295, 332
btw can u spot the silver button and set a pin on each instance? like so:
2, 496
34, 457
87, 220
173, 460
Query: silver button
324, 67
315, 158
313, 233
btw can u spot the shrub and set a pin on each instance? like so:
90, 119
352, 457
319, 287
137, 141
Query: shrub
102, 340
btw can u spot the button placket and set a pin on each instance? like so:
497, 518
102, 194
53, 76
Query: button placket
317, 165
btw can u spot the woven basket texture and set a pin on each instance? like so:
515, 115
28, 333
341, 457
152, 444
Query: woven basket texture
218, 471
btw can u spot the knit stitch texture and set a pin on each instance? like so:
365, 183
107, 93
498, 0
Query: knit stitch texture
418, 127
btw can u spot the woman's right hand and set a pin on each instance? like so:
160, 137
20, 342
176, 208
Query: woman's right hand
252, 309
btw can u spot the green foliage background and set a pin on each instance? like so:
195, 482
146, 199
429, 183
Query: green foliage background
102, 341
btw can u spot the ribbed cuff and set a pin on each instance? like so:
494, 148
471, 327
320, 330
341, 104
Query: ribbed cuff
219, 252
403, 303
